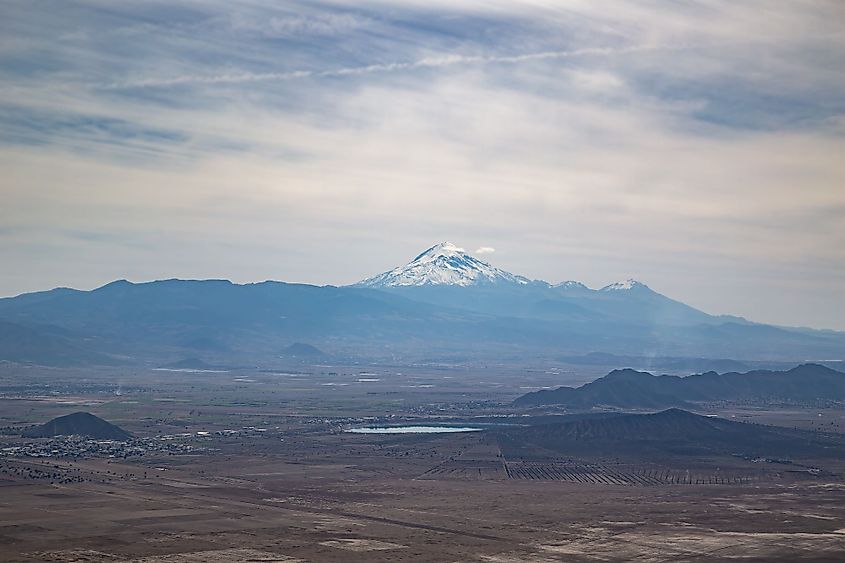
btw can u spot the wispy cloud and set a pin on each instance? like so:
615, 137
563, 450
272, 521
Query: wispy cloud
428, 62
485, 250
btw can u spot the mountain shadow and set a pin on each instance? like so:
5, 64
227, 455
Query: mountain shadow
669, 432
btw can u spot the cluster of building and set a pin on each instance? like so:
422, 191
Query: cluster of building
77, 447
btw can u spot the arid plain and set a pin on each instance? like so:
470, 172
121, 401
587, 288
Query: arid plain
248, 465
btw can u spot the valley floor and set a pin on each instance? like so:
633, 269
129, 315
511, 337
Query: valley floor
246, 482
265, 509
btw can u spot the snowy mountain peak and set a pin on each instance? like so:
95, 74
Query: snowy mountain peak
625, 285
444, 264
570, 284
442, 249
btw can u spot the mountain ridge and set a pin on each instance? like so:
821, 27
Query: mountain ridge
447, 264
628, 388
238, 324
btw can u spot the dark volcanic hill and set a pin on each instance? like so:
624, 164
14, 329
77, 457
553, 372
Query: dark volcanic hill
671, 424
627, 388
672, 431
79, 424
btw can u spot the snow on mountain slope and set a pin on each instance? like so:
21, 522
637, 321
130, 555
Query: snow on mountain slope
626, 285
444, 264
570, 284
447, 264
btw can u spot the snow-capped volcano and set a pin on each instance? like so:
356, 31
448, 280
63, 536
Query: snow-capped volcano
626, 285
447, 264
444, 264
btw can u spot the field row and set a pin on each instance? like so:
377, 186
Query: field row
602, 474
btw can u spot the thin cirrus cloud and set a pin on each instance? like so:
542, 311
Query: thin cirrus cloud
696, 146
431, 62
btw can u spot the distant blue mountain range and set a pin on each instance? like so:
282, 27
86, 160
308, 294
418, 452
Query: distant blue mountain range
445, 304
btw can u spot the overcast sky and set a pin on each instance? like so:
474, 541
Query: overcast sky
698, 146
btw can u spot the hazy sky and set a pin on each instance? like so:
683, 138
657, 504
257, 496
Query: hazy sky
698, 146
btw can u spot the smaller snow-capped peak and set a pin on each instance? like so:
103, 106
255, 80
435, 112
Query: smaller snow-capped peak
570, 284
444, 264
626, 285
